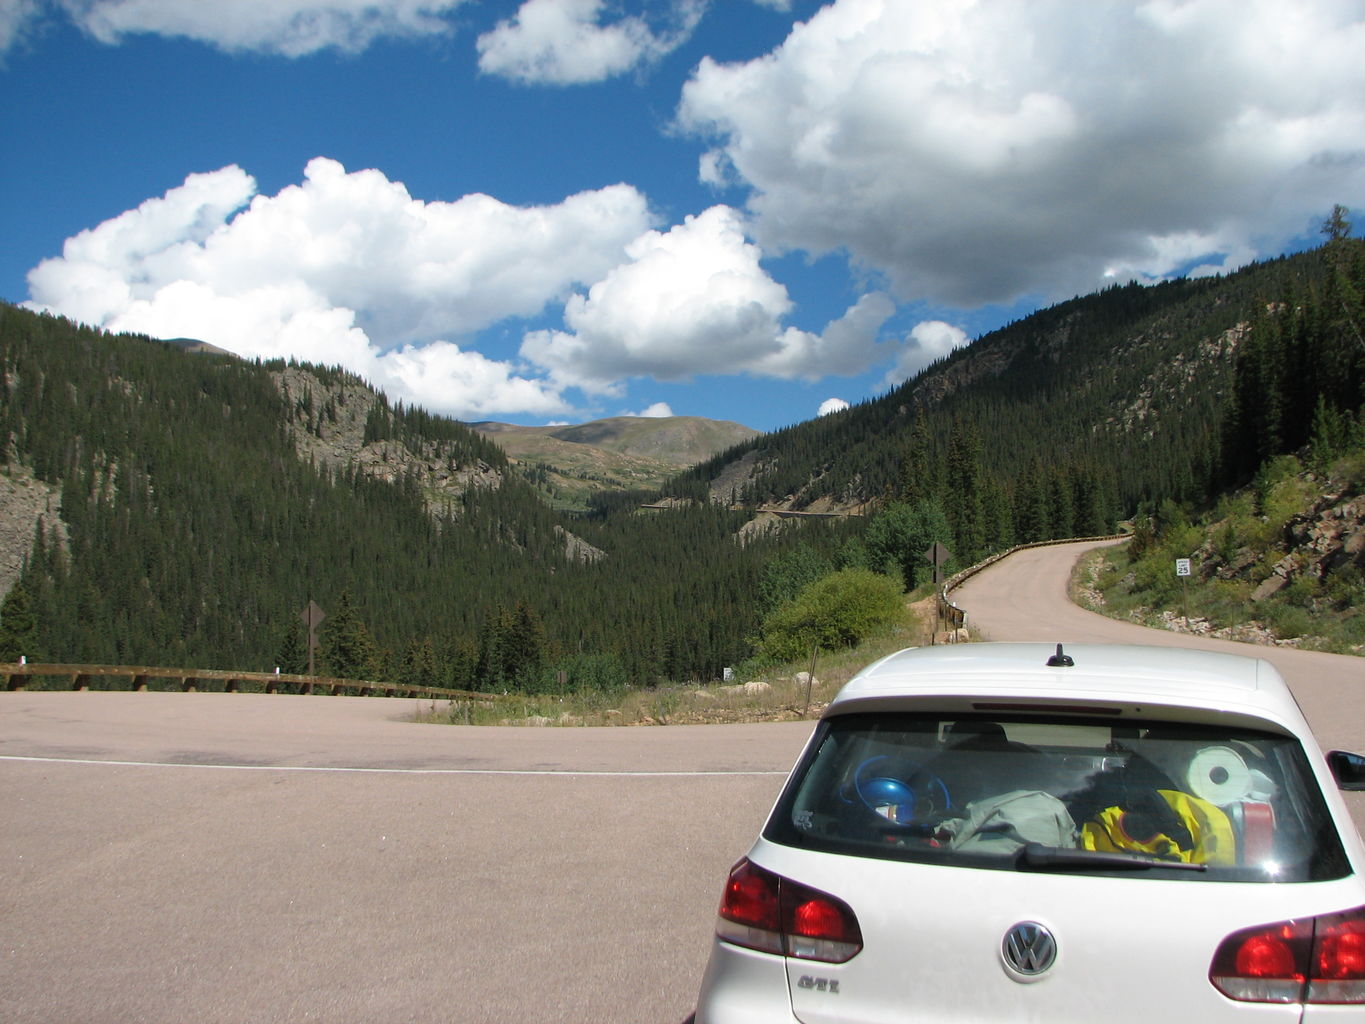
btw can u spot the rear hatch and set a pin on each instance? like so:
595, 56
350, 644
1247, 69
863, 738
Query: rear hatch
935, 939
1033, 866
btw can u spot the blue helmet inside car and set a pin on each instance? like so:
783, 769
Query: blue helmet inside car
891, 798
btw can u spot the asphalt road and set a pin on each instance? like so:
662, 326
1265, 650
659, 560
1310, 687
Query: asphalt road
208, 857
256, 859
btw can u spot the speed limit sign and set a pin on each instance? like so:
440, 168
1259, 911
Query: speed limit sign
1182, 567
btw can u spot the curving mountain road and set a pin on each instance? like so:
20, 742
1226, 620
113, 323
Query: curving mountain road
234, 858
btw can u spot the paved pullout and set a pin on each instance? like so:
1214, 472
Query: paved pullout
236, 858
357, 867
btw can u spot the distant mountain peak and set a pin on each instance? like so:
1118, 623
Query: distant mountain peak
625, 452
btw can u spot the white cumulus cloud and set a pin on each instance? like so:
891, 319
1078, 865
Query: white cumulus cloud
696, 300
846, 346
929, 341
15, 18
980, 151
291, 28
567, 42
657, 411
345, 268
832, 405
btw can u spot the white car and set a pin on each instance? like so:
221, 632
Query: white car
1017, 832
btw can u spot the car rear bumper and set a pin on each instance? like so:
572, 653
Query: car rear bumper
742, 986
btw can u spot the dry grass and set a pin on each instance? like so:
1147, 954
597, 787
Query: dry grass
773, 694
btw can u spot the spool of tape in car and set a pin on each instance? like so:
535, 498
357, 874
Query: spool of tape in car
1219, 775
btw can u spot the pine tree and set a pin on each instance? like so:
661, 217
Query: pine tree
291, 653
1031, 521
419, 664
348, 650
966, 485
919, 475
18, 626
786, 575
524, 647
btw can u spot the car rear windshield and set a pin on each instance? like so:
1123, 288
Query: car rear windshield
1054, 793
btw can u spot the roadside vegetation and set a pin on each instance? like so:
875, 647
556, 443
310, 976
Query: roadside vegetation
1276, 562
761, 690
1276, 551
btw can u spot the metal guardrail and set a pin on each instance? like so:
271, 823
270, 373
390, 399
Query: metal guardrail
192, 679
955, 617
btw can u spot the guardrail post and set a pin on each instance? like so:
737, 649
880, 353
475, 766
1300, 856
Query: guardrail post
140, 683
189, 684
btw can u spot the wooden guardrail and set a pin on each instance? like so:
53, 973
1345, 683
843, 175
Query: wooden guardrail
190, 679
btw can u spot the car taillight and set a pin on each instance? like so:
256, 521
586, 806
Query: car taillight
1339, 959
1318, 960
764, 911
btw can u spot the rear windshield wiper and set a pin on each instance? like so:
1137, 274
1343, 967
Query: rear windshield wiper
1037, 857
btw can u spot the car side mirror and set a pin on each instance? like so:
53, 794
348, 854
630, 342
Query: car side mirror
1348, 769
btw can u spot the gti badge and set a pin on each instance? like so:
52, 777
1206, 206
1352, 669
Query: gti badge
1028, 951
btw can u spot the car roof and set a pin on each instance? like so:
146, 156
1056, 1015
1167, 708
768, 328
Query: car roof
1123, 677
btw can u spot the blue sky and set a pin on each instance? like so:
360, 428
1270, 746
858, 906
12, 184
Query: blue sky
555, 210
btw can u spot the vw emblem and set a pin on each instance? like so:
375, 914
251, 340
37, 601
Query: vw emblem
1028, 950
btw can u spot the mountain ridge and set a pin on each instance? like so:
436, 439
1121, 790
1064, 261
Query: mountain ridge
572, 462
200, 500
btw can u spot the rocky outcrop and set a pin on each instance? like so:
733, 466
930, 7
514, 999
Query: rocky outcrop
577, 549
1326, 538
1331, 536
327, 425
25, 503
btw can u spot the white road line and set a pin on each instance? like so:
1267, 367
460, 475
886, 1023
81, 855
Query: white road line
391, 771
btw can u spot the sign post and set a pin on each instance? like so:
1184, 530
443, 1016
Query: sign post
937, 556
312, 617
1184, 570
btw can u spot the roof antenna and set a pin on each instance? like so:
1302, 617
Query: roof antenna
1060, 660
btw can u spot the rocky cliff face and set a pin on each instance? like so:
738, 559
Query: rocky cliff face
335, 439
1323, 543
327, 426
1326, 539
25, 502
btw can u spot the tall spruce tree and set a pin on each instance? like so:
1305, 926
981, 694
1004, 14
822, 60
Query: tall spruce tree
18, 626
347, 648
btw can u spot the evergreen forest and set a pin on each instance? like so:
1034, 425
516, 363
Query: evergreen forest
193, 531
1093, 410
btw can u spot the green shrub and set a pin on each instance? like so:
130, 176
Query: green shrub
1286, 621
1342, 588
1302, 592
836, 610
1155, 579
